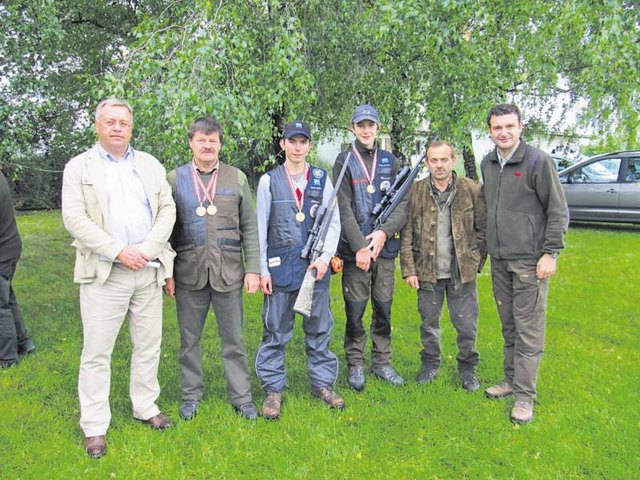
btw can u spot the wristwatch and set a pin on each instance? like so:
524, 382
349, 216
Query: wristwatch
553, 255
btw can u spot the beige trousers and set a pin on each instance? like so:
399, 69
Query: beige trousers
103, 309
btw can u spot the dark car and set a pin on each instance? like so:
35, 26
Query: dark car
604, 188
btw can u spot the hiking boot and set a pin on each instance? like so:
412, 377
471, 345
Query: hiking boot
427, 375
247, 410
388, 374
522, 411
356, 378
503, 389
469, 381
328, 396
189, 409
271, 405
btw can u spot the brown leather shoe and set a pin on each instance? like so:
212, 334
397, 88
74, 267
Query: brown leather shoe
271, 405
159, 422
328, 396
95, 447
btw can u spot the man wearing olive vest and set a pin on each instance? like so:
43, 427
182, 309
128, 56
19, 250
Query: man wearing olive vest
215, 228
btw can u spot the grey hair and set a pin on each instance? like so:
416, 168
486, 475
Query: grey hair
113, 102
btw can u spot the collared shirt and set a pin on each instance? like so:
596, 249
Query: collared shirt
504, 160
129, 212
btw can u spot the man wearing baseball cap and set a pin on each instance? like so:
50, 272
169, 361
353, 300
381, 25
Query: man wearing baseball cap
289, 197
369, 256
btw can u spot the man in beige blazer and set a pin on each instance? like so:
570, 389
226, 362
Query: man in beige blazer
118, 206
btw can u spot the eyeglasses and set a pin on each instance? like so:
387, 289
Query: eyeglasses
123, 124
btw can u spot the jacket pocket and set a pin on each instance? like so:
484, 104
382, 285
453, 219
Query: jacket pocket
185, 265
232, 268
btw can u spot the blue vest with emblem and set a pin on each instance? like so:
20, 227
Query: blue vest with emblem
286, 236
363, 201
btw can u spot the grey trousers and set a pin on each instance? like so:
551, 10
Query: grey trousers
192, 308
13, 332
521, 300
357, 285
463, 310
278, 319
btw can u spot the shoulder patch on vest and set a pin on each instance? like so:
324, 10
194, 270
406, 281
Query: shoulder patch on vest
317, 172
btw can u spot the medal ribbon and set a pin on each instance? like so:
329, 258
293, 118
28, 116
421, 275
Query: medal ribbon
299, 201
209, 191
370, 176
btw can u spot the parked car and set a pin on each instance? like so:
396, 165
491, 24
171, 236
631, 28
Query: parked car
604, 188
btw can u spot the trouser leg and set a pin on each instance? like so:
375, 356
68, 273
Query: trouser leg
430, 300
503, 294
8, 334
229, 315
382, 284
192, 308
463, 310
322, 364
102, 308
277, 317
145, 325
529, 307
355, 290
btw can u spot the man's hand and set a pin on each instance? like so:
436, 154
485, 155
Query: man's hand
378, 239
170, 287
363, 258
132, 258
265, 285
321, 269
251, 282
546, 267
412, 281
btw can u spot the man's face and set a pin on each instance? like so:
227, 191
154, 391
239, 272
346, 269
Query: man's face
440, 161
366, 131
114, 126
205, 148
296, 148
505, 131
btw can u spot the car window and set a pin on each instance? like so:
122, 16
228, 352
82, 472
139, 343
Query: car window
600, 171
633, 171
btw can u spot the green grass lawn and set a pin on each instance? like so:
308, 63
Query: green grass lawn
587, 419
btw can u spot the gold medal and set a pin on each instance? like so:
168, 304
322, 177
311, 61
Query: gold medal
371, 188
201, 211
300, 217
212, 210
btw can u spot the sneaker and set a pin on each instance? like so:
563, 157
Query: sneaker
503, 389
247, 410
427, 375
356, 378
271, 405
328, 396
388, 374
27, 349
189, 409
522, 411
469, 381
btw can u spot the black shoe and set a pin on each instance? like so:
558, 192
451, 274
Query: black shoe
189, 409
388, 374
247, 410
356, 378
26, 349
427, 375
469, 381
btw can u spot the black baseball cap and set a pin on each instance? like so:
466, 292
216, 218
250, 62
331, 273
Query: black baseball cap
295, 128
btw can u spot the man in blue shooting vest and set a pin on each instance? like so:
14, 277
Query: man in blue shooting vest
289, 197
369, 256
215, 225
